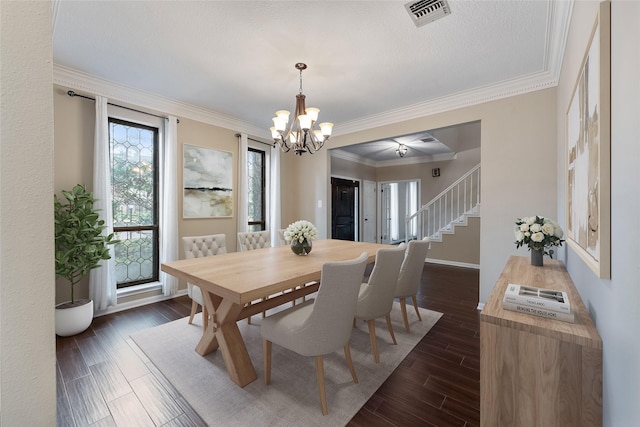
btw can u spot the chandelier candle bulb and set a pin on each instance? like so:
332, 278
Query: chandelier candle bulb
305, 122
326, 128
313, 113
284, 116
274, 132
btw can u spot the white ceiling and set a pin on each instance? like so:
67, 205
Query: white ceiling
367, 61
428, 146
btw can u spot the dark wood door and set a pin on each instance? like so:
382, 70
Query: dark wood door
343, 208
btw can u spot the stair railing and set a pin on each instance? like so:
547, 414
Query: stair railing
463, 196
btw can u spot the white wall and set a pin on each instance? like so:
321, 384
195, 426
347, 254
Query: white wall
614, 304
27, 350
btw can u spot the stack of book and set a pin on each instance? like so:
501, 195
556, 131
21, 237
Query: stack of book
539, 302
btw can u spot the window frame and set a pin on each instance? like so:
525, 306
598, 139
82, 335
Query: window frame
155, 227
264, 222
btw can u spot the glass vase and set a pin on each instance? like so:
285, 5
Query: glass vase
301, 248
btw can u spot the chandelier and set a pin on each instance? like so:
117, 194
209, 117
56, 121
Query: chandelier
301, 136
401, 150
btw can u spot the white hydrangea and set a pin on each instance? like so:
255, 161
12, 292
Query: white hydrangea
538, 233
301, 230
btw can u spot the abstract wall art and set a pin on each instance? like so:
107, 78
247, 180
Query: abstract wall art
207, 179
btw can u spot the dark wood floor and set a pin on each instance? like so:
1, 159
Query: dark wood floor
104, 380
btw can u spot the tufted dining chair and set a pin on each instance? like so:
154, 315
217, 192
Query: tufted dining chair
253, 240
283, 241
375, 298
250, 240
197, 247
409, 278
321, 326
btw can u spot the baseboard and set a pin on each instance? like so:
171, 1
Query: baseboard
138, 303
453, 263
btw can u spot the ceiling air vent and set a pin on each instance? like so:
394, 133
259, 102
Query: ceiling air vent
424, 11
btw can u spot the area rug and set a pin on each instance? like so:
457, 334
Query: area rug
292, 397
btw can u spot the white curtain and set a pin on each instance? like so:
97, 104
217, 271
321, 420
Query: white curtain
274, 196
169, 204
243, 185
102, 280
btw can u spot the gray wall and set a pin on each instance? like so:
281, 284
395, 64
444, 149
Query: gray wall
614, 304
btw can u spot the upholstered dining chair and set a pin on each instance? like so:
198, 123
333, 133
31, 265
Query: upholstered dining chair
409, 278
321, 326
197, 247
282, 239
375, 298
250, 240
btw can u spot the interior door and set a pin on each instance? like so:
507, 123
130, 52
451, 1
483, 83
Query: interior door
369, 216
343, 208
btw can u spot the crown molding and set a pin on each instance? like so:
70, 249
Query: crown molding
416, 160
559, 19
468, 98
82, 82
345, 155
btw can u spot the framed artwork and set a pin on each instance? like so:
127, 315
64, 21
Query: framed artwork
207, 180
588, 136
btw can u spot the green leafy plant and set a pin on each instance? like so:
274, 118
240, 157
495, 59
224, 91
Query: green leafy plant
79, 241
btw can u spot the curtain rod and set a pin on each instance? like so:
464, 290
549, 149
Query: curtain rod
72, 94
255, 140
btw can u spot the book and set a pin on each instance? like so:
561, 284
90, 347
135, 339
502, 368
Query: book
556, 315
545, 299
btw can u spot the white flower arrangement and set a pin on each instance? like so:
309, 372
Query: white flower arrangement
300, 230
538, 233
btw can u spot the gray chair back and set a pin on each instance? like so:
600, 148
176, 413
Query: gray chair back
411, 270
376, 296
328, 326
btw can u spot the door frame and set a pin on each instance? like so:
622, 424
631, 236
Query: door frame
379, 206
358, 216
375, 209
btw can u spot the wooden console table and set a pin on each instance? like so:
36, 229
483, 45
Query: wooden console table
536, 371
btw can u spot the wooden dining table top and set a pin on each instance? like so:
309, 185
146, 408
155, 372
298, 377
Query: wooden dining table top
246, 276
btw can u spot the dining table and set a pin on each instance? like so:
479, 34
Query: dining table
237, 285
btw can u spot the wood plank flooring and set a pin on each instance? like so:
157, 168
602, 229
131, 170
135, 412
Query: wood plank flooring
104, 380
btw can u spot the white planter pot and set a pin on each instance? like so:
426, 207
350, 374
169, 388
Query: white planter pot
71, 320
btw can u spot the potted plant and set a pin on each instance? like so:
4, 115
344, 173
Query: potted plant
79, 247
539, 233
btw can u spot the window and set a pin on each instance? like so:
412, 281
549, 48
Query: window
134, 183
256, 161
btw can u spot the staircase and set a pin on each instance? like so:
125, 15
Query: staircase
448, 210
